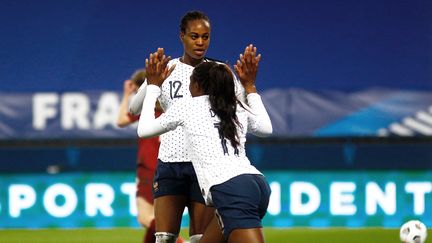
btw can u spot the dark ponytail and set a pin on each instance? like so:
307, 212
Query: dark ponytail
217, 81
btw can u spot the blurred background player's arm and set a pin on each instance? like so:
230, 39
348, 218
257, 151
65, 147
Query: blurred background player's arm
135, 105
130, 87
124, 117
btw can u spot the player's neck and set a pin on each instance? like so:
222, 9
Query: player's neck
190, 61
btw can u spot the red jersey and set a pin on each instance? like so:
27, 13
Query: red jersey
148, 148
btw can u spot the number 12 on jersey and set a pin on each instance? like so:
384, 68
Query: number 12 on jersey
174, 89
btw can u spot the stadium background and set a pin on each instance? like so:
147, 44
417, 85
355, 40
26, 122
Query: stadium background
348, 85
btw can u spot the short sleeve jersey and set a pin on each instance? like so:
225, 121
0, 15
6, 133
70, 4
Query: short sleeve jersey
176, 88
214, 159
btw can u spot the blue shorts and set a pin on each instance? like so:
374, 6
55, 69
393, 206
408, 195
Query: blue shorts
241, 202
177, 178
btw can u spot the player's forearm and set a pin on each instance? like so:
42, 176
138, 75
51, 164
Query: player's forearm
260, 121
123, 118
136, 103
148, 125
240, 90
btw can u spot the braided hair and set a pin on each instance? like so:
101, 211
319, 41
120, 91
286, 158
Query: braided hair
217, 81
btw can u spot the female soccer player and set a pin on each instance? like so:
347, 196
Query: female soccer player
146, 158
175, 183
215, 125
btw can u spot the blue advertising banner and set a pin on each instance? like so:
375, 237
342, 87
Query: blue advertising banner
301, 198
371, 112
61, 115
294, 112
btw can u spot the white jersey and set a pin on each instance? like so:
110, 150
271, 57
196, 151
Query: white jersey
214, 159
176, 88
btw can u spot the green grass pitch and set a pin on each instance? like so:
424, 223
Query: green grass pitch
272, 235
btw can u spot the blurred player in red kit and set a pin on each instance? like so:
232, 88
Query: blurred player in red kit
146, 157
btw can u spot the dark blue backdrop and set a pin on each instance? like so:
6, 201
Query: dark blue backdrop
346, 45
336, 45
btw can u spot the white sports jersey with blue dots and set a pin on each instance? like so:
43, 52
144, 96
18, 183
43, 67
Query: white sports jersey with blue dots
176, 88
214, 159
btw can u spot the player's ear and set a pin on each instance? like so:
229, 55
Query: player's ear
181, 36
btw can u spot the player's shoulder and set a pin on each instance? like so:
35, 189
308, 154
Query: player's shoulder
174, 61
181, 68
179, 71
209, 59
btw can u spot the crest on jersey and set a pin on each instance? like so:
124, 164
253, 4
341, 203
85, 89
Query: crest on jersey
155, 186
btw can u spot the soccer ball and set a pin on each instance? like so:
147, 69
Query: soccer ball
413, 231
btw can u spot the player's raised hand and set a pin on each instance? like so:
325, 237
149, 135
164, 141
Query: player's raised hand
157, 67
247, 68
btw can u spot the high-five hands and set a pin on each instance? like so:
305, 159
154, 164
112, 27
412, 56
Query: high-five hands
157, 67
247, 68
